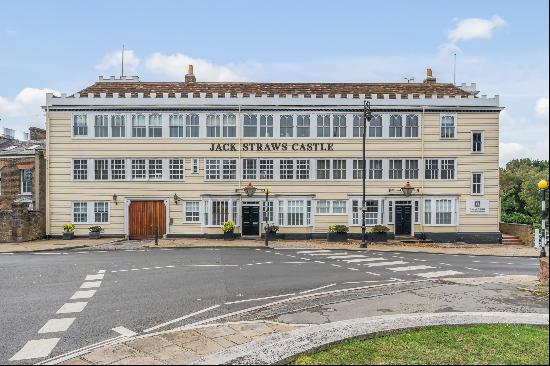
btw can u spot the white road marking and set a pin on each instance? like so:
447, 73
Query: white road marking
409, 268
6, 253
258, 299
357, 282
83, 294
158, 267
36, 349
438, 274
353, 269
114, 271
472, 269
124, 331
358, 260
181, 318
326, 254
56, 325
146, 268
47, 253
134, 269
294, 262
321, 262
305, 259
94, 277
317, 289
123, 270
382, 264
312, 251
346, 256
336, 265
101, 271
373, 274
93, 284
72, 307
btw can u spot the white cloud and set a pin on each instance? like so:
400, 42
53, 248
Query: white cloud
26, 103
471, 28
541, 108
114, 61
175, 67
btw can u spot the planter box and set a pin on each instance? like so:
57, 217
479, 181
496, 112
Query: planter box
229, 236
68, 235
94, 235
271, 236
337, 237
377, 237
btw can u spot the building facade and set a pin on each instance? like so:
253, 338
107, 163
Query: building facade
135, 157
23, 188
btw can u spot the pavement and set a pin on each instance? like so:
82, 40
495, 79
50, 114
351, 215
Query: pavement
53, 244
63, 301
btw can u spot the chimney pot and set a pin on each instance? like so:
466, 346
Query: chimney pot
190, 78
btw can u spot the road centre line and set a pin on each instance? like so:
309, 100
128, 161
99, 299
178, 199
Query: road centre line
410, 268
92, 284
72, 307
56, 325
83, 294
181, 318
94, 277
124, 332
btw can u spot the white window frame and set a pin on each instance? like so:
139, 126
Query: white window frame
90, 213
86, 125
198, 212
482, 142
454, 212
352, 212
455, 126
481, 184
22, 184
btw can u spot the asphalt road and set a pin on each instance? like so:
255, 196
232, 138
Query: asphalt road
160, 289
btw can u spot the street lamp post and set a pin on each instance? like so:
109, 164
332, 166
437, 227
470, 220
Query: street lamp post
367, 116
543, 187
250, 190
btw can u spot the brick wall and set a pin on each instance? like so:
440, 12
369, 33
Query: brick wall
20, 224
17, 223
524, 232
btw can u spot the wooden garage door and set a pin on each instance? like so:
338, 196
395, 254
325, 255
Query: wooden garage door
144, 217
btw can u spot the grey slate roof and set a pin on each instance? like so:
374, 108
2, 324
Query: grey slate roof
14, 147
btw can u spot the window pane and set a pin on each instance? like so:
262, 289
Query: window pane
396, 126
286, 169
323, 126
431, 169
447, 126
266, 126
447, 169
229, 125
176, 125
139, 128
249, 169
250, 125
396, 169
155, 125
26, 181
339, 125
118, 169
101, 212
375, 169
101, 169
339, 169
357, 169
375, 126
411, 126
358, 126
212, 169
177, 169
302, 169
192, 211
80, 212
192, 125
302, 128
229, 169
323, 169
138, 169
266, 169
213, 125
101, 126
287, 126
80, 169
411, 169
80, 126
118, 126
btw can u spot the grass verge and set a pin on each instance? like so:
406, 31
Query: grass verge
498, 344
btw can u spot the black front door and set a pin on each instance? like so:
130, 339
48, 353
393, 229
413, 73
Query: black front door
403, 220
251, 220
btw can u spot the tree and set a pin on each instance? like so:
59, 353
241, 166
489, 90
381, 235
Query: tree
520, 196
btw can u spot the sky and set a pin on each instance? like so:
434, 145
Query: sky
63, 46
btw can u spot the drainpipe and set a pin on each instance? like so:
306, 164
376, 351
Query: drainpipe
421, 207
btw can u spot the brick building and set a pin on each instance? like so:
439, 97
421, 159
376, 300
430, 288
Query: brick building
22, 188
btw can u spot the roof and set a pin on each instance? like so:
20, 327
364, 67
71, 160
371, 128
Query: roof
13, 147
315, 90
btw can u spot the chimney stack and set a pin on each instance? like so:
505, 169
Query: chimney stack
429, 77
190, 78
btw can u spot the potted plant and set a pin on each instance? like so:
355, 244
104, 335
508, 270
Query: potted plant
95, 232
379, 233
228, 230
68, 231
337, 233
271, 232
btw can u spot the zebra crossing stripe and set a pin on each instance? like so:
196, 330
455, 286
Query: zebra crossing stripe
36, 349
438, 274
346, 256
313, 251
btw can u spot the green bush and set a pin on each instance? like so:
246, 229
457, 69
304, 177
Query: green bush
68, 228
339, 229
228, 226
517, 218
379, 229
